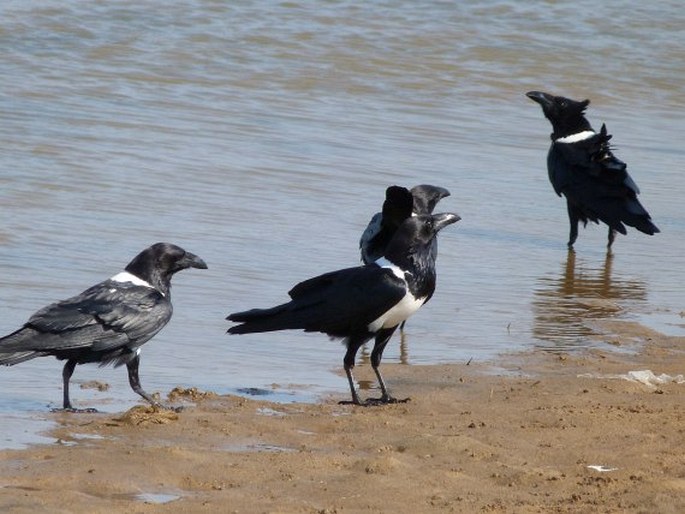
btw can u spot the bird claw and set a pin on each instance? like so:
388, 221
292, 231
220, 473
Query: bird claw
385, 400
161, 406
72, 410
370, 402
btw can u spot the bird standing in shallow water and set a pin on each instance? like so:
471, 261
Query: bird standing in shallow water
107, 323
582, 167
358, 304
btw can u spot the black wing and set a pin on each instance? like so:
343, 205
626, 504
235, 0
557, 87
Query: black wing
596, 181
370, 245
397, 207
106, 316
339, 303
592, 162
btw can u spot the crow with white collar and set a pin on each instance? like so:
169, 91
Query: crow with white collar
583, 168
107, 323
396, 208
361, 303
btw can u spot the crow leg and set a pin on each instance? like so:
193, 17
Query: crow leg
353, 346
573, 219
402, 326
612, 236
382, 339
134, 380
353, 390
67, 371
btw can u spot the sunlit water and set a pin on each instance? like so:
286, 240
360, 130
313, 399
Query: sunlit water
262, 136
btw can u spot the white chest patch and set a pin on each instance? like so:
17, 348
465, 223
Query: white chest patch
574, 138
403, 309
385, 263
125, 276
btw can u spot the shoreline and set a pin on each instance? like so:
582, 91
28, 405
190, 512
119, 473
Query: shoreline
527, 432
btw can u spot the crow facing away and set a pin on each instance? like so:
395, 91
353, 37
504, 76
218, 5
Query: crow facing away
107, 323
361, 303
582, 167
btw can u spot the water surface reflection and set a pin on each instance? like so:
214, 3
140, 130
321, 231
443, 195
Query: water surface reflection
583, 292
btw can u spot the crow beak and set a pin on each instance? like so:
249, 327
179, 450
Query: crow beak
544, 99
442, 192
190, 260
440, 221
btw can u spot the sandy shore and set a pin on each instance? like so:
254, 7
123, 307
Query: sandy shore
519, 435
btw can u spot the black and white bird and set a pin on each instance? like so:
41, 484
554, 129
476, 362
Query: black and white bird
583, 168
107, 323
361, 303
396, 208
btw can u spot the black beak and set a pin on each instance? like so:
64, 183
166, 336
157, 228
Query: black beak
441, 192
440, 221
190, 260
544, 99
426, 197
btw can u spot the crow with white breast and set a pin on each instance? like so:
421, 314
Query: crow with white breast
582, 167
107, 323
361, 303
383, 225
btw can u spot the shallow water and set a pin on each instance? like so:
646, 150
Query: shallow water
262, 136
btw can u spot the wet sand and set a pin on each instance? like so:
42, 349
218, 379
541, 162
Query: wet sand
516, 435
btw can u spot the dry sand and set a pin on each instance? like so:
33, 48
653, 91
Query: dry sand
518, 435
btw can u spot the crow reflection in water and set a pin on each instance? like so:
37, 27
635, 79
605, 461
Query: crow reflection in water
582, 293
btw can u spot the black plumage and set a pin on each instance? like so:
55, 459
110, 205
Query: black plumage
358, 304
107, 323
583, 168
396, 208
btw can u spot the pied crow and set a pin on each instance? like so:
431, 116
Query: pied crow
396, 208
107, 323
582, 167
361, 303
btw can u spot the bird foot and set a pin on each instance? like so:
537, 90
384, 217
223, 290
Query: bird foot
161, 406
370, 402
385, 400
72, 410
